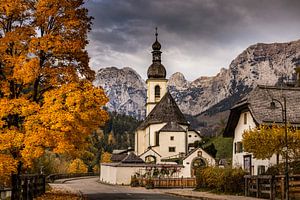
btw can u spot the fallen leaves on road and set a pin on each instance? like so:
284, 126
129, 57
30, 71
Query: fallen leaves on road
59, 195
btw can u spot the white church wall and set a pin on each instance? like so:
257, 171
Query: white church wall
151, 101
108, 174
187, 162
193, 136
118, 174
152, 129
140, 141
165, 143
150, 152
124, 174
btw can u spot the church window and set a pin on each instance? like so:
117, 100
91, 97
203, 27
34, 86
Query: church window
156, 138
172, 149
157, 92
172, 138
245, 118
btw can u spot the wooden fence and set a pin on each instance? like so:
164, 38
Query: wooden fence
5, 193
294, 186
169, 182
260, 186
27, 187
271, 187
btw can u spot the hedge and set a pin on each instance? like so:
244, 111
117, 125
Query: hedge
225, 180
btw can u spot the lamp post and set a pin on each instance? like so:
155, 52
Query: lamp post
283, 108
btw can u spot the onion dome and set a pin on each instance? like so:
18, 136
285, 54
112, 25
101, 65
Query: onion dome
156, 69
156, 46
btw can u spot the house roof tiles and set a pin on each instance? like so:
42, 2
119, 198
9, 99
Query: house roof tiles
258, 103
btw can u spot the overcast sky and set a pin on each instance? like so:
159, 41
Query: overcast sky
198, 37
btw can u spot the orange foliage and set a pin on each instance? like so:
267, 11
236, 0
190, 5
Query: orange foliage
265, 141
106, 157
47, 100
77, 166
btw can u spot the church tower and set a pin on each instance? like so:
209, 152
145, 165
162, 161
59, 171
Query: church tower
156, 82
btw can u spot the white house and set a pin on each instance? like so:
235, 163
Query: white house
254, 110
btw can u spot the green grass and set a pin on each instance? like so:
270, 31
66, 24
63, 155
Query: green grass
223, 146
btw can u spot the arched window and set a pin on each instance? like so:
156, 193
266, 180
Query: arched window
157, 92
150, 159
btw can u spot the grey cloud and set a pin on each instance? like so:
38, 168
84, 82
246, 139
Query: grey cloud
195, 26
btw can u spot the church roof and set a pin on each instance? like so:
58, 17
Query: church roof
118, 157
156, 70
165, 111
132, 158
172, 127
150, 149
258, 102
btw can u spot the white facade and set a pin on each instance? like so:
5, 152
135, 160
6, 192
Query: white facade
169, 141
118, 174
193, 136
245, 159
146, 138
198, 153
153, 99
151, 153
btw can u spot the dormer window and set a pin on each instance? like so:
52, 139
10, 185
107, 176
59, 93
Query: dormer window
157, 93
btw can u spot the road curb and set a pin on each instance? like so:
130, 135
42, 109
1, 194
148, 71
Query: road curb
61, 181
189, 196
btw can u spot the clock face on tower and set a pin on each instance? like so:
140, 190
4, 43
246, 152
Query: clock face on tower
156, 57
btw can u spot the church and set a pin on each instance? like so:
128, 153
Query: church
165, 134
163, 139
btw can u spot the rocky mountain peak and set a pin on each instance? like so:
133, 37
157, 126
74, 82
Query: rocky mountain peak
178, 80
266, 64
125, 89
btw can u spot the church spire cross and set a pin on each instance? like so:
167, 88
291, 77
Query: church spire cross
156, 69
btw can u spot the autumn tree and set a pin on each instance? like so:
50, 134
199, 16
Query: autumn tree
77, 166
92, 154
47, 100
265, 141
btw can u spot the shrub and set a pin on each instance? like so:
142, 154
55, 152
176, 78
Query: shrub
274, 170
134, 182
221, 179
149, 184
295, 167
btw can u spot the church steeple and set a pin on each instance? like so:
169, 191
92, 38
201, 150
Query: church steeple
156, 69
156, 82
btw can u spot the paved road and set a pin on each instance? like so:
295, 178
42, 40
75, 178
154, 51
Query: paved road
93, 190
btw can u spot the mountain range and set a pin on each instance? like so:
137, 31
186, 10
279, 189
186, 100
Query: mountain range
205, 101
